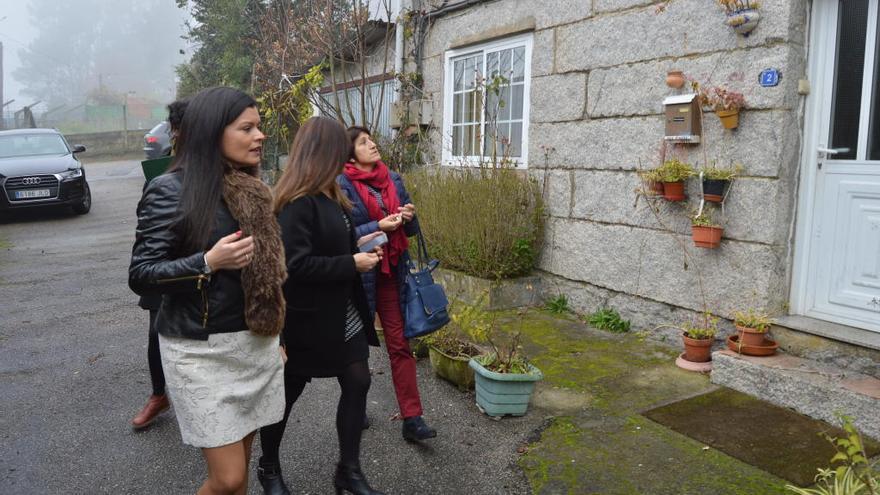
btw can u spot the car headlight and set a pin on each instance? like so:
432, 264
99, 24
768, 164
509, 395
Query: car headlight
72, 174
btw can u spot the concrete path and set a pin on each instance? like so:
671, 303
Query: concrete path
73, 372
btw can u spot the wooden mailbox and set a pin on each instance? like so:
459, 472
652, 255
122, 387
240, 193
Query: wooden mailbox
683, 119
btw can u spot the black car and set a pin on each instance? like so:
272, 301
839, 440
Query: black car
39, 168
157, 142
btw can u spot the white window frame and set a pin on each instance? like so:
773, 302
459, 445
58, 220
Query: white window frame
524, 40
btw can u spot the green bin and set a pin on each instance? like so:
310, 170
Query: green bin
155, 167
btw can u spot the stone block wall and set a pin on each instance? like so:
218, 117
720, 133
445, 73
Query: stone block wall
598, 81
108, 143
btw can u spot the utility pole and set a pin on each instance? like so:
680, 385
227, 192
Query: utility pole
125, 121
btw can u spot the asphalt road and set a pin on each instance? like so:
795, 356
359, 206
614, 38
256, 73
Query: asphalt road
73, 372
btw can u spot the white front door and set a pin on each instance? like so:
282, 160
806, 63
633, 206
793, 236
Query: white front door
837, 275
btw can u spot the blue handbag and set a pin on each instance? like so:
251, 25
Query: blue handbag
426, 301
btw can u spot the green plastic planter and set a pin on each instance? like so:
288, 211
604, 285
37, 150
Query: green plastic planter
452, 369
499, 394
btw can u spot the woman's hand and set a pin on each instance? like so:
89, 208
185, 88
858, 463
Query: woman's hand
364, 262
407, 212
390, 223
231, 252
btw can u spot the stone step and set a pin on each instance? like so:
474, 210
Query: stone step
809, 387
830, 343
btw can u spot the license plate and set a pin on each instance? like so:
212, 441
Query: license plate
32, 193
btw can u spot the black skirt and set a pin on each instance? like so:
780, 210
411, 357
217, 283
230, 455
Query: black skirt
304, 363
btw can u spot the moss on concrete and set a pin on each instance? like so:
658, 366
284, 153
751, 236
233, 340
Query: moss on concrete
602, 445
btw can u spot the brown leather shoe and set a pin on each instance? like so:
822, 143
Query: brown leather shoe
155, 405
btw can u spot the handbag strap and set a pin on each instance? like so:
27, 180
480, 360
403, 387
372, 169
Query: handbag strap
424, 260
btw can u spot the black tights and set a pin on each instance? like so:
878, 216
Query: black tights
355, 382
157, 376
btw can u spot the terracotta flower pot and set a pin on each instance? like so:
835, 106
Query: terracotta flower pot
729, 118
675, 79
674, 191
706, 237
713, 190
750, 336
655, 187
697, 350
767, 348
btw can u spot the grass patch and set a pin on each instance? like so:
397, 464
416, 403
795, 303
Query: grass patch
608, 319
558, 305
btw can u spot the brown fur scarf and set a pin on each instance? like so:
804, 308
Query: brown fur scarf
250, 202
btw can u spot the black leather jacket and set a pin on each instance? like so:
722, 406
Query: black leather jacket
194, 305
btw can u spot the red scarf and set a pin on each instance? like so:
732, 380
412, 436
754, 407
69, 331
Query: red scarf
380, 179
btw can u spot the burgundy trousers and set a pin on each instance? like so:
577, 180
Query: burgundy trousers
403, 363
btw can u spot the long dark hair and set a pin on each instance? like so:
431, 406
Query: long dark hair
199, 156
317, 156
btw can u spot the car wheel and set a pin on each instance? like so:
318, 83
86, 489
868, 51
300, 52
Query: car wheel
86, 204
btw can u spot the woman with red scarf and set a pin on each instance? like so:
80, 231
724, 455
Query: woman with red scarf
381, 203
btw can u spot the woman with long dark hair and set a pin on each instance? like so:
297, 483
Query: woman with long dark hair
208, 242
380, 203
157, 403
328, 326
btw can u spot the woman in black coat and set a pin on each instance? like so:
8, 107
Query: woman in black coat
328, 326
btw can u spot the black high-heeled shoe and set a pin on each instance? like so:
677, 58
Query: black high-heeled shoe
351, 479
270, 478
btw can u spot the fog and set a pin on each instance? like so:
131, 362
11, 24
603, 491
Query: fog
83, 60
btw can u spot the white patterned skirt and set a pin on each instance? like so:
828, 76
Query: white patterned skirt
225, 387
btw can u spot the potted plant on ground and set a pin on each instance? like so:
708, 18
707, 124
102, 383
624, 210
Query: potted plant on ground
451, 348
716, 180
698, 337
752, 326
673, 173
726, 104
705, 231
505, 379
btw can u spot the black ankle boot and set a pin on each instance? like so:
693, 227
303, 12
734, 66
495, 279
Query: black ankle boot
269, 475
415, 429
350, 479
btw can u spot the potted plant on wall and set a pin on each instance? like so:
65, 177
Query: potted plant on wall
716, 180
673, 173
505, 379
705, 231
726, 104
742, 15
652, 180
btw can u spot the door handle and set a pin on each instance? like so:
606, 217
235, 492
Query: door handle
832, 151
829, 151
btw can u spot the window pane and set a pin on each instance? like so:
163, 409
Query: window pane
459, 75
458, 107
505, 64
492, 64
472, 70
516, 102
874, 130
470, 135
456, 140
519, 64
470, 106
847, 101
492, 106
504, 110
516, 140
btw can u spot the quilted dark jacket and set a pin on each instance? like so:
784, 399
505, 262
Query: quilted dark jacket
364, 226
193, 305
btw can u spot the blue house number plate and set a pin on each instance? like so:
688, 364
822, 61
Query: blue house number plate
769, 77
